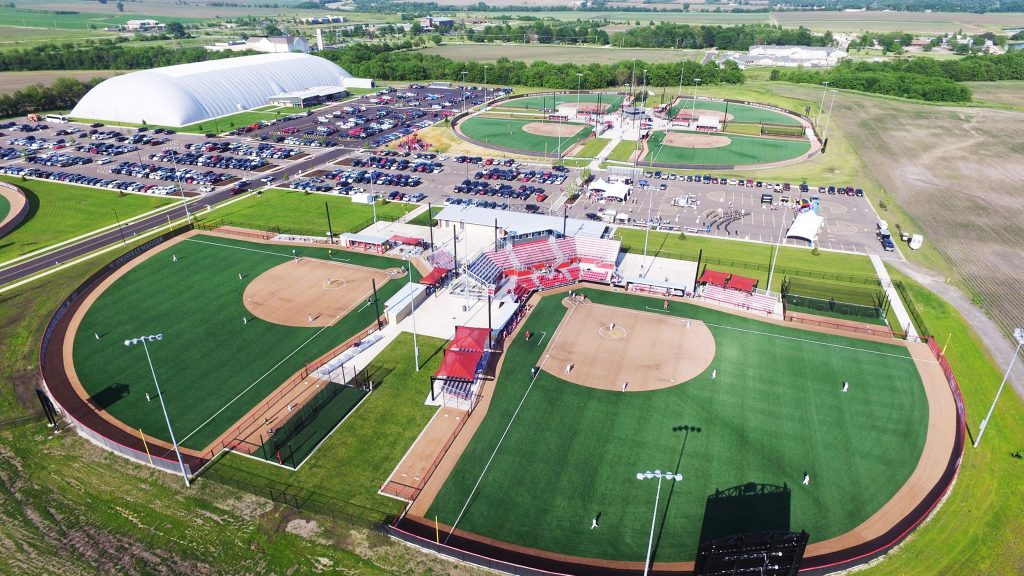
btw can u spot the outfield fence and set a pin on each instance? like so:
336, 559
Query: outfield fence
81, 412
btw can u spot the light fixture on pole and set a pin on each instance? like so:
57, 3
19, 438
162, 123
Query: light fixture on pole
675, 476
1018, 335
412, 299
829, 120
579, 87
485, 84
696, 82
778, 248
464, 72
160, 396
824, 90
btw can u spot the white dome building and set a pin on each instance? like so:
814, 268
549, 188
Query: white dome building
190, 93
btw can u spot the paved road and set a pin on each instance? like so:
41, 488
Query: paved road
40, 263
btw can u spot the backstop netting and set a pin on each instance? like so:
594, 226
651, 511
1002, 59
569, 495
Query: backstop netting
868, 303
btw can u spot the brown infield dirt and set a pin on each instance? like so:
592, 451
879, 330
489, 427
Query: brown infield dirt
690, 113
310, 292
17, 201
934, 457
681, 140
606, 347
552, 129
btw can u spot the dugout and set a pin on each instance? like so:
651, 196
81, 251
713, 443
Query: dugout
366, 242
402, 304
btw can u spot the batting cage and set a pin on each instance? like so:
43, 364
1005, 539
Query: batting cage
866, 303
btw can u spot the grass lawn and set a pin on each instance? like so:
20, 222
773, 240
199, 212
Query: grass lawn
622, 151
610, 102
58, 212
296, 211
509, 133
552, 473
593, 147
358, 457
426, 218
740, 112
748, 258
742, 150
212, 367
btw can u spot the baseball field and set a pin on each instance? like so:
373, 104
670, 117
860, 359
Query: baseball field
762, 403
609, 102
237, 318
694, 148
731, 111
526, 135
5, 207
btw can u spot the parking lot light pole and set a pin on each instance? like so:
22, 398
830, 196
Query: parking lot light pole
675, 476
824, 90
778, 248
1018, 335
160, 396
181, 191
464, 72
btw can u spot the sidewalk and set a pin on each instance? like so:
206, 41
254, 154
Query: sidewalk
894, 298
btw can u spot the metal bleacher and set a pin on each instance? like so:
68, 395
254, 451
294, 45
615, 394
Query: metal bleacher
746, 301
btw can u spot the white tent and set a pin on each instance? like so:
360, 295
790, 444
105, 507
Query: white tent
805, 227
611, 190
709, 122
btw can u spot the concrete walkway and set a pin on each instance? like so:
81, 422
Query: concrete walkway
601, 156
894, 298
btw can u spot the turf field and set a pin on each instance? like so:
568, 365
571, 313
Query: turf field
58, 212
509, 134
774, 411
212, 368
5, 207
611, 102
742, 150
739, 112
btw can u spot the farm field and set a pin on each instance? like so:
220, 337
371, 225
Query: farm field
79, 20
1003, 93
526, 497
961, 194
13, 81
557, 54
294, 210
16, 37
58, 212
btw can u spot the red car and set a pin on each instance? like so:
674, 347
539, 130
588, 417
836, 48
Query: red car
541, 197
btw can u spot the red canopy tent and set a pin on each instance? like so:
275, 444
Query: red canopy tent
459, 365
713, 277
406, 240
741, 283
434, 276
469, 339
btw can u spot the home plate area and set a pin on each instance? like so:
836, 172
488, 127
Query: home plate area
611, 348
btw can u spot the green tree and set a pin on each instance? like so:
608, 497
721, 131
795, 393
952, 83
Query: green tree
272, 30
177, 30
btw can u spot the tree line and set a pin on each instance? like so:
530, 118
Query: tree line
742, 37
394, 62
542, 32
63, 94
103, 55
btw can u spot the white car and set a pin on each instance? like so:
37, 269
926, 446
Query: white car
106, 160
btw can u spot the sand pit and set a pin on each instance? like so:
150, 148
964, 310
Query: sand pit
691, 113
310, 292
682, 140
606, 357
552, 129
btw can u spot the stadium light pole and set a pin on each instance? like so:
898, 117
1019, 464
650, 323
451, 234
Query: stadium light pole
1018, 335
696, 83
160, 395
682, 69
654, 520
181, 191
824, 90
829, 119
464, 72
485, 84
579, 88
778, 248
412, 299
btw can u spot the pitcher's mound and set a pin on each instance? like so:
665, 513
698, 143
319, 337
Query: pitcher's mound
681, 140
606, 347
552, 129
310, 292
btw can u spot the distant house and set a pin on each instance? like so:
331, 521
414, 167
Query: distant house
268, 44
433, 24
143, 25
325, 20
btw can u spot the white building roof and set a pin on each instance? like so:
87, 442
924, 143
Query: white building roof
190, 93
611, 189
519, 222
310, 93
805, 227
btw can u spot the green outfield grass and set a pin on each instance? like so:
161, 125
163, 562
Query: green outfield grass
59, 212
593, 147
742, 150
739, 112
294, 210
360, 455
5, 207
509, 133
622, 151
426, 218
553, 472
611, 102
212, 367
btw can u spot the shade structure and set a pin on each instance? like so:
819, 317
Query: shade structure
714, 277
469, 339
434, 276
742, 283
459, 365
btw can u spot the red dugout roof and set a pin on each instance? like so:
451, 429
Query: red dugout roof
434, 276
406, 240
469, 339
741, 283
459, 365
713, 277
